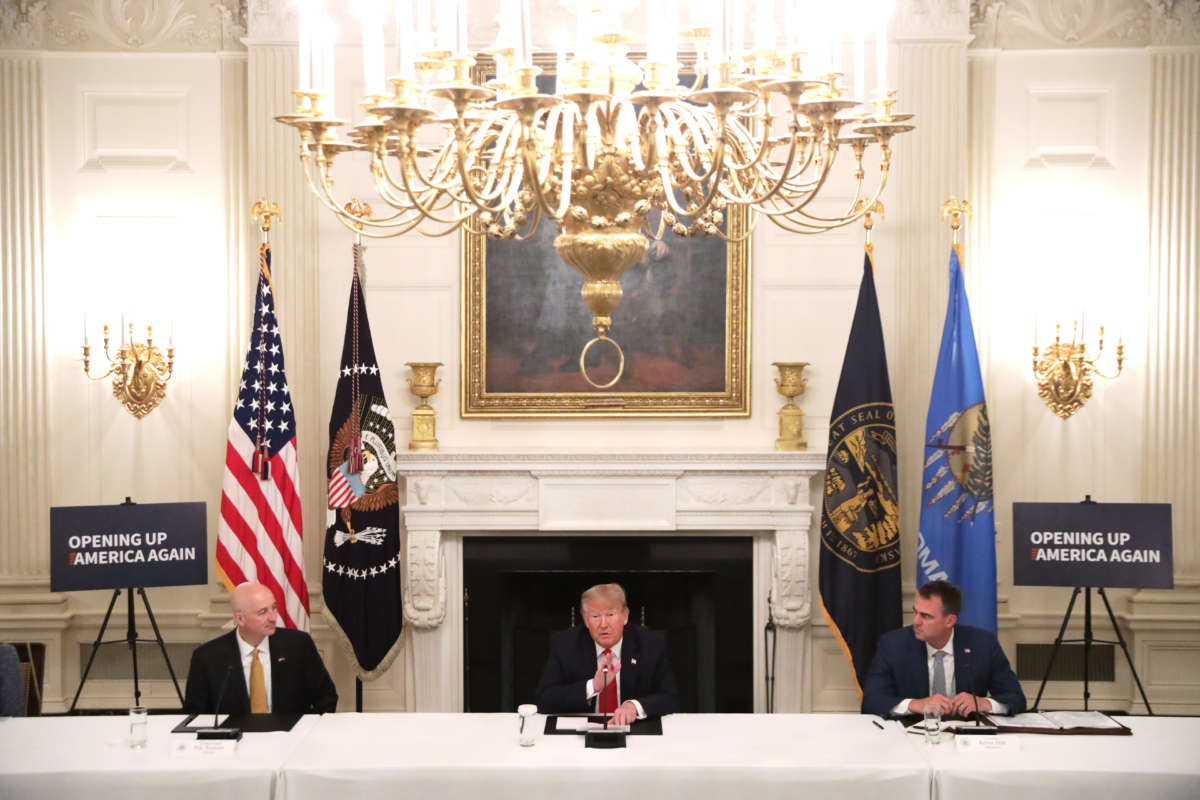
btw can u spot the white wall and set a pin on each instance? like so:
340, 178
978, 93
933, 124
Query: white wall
135, 206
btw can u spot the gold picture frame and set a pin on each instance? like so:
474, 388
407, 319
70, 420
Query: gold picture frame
683, 324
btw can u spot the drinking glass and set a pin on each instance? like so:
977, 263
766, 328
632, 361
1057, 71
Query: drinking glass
528, 734
139, 716
933, 723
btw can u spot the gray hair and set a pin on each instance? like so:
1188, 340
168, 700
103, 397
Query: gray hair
612, 592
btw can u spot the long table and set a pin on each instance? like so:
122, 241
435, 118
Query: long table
697, 757
90, 757
472, 756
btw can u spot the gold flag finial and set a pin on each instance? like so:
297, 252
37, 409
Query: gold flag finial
868, 220
360, 210
265, 209
955, 210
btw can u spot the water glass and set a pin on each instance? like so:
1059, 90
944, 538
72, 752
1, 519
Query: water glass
139, 716
933, 723
528, 733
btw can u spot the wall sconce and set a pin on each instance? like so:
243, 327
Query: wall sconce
139, 371
1064, 372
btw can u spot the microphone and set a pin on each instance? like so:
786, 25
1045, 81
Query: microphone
604, 738
217, 732
978, 728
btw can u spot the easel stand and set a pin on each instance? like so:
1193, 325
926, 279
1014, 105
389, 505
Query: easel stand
1088, 640
131, 638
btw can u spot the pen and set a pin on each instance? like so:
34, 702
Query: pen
875, 722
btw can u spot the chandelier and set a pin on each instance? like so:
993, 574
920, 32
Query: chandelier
618, 152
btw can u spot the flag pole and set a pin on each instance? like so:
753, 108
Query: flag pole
869, 225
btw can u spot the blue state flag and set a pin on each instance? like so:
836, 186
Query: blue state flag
957, 540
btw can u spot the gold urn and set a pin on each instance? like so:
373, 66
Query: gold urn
424, 384
791, 383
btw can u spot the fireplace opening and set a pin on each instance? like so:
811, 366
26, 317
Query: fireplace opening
694, 590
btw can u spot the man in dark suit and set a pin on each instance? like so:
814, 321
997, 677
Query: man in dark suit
936, 662
264, 669
609, 666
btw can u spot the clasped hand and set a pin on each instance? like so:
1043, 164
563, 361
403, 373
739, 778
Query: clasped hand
962, 704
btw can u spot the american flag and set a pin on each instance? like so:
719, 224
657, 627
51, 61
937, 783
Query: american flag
261, 527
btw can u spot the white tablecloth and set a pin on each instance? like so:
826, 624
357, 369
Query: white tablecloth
89, 757
477, 757
1160, 760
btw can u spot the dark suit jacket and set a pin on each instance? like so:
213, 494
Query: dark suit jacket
900, 670
645, 673
299, 681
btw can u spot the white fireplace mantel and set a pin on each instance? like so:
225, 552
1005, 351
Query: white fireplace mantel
450, 495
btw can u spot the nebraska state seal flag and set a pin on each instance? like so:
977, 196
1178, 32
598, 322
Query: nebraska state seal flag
362, 539
860, 513
958, 527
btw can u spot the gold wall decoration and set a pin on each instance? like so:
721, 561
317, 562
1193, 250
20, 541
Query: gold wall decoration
424, 384
791, 384
1063, 370
139, 370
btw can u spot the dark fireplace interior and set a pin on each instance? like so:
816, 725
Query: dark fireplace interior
694, 590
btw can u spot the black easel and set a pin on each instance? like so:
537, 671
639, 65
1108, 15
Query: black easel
131, 638
1088, 640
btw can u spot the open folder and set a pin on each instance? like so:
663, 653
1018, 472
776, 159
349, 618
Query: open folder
1088, 723
571, 724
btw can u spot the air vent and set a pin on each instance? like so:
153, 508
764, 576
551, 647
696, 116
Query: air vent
1068, 664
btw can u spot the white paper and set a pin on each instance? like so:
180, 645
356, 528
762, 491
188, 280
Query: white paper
1030, 719
987, 744
1081, 719
585, 724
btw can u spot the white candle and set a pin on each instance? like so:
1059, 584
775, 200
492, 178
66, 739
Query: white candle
860, 68
327, 64
460, 27
764, 26
305, 47
881, 57
671, 27
122, 328
791, 21
85, 339
525, 47
737, 35
424, 27
405, 42
370, 15
560, 59
171, 338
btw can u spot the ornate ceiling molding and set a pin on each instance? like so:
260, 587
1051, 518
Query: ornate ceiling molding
931, 19
1059, 24
123, 25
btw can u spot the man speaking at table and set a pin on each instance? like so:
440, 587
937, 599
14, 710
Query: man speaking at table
608, 667
257, 667
935, 661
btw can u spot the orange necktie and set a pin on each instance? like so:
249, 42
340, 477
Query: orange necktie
258, 686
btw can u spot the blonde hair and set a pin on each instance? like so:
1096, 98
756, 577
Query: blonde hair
611, 592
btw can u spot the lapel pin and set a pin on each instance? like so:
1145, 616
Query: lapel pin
633, 661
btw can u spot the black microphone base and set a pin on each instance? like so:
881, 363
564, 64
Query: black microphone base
975, 730
604, 740
219, 733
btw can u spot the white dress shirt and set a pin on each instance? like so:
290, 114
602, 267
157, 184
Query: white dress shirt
948, 668
264, 657
592, 691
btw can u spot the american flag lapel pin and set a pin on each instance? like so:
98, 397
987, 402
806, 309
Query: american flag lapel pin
633, 661
966, 651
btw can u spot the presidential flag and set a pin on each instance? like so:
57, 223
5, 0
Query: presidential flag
957, 541
860, 512
259, 534
362, 539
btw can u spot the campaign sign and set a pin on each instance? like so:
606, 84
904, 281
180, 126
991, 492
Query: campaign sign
1093, 544
115, 547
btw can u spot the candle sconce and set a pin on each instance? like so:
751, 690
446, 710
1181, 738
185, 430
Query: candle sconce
1064, 371
139, 370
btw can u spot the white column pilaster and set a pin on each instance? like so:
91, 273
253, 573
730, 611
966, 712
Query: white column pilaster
1171, 460
24, 388
274, 172
929, 60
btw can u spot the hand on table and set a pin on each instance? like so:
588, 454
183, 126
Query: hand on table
944, 704
963, 704
626, 714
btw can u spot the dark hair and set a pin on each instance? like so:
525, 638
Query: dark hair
950, 595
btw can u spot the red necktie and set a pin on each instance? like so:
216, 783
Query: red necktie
607, 702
